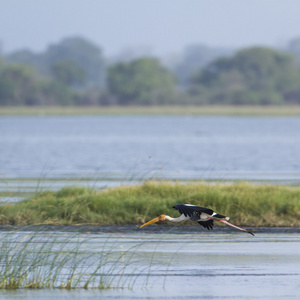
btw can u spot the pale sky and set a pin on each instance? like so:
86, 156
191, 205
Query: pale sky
166, 26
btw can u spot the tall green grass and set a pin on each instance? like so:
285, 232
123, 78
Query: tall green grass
66, 261
246, 204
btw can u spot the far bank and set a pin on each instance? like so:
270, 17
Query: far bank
151, 110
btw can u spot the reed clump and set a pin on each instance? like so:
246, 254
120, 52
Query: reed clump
246, 204
61, 260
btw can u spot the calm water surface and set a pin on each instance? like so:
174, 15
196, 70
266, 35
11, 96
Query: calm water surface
195, 266
137, 147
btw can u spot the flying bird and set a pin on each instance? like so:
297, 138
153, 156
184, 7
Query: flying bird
204, 216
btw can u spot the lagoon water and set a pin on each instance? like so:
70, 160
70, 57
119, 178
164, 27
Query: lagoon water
128, 148
199, 265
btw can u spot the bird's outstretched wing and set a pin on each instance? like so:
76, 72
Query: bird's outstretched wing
209, 224
192, 211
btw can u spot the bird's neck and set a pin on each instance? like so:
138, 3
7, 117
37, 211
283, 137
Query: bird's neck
179, 219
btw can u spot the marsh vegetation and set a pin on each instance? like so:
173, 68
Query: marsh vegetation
66, 260
246, 204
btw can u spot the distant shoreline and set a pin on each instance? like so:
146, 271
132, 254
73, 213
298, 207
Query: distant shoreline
284, 110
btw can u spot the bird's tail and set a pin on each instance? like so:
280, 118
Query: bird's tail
220, 217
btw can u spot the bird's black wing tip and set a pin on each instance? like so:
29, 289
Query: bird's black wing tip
207, 224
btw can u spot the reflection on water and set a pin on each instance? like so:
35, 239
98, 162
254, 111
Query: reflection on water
193, 266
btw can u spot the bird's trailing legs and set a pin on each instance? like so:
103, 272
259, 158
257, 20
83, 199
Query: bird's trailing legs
229, 224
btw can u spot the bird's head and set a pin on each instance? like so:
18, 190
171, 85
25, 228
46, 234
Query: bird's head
157, 219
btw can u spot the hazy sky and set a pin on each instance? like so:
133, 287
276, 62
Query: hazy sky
166, 26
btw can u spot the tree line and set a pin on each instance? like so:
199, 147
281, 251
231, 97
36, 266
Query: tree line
74, 72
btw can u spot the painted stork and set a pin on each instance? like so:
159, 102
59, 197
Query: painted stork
204, 216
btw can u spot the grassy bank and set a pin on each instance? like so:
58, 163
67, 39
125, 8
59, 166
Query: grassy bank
153, 110
246, 204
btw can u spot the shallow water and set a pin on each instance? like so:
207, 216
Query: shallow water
198, 265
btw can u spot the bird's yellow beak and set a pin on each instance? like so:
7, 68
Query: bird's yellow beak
157, 219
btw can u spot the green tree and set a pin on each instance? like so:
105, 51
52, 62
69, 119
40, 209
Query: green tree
68, 72
142, 82
17, 85
85, 54
52, 92
195, 57
81, 51
20, 85
252, 76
